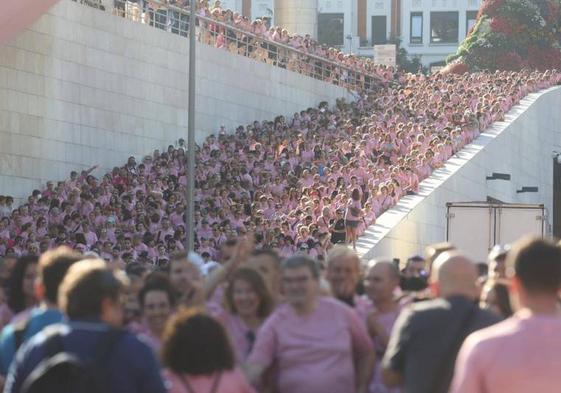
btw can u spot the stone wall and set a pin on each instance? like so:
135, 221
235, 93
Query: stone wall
82, 87
522, 146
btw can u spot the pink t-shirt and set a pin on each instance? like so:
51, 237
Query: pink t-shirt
519, 355
230, 382
387, 320
313, 353
241, 336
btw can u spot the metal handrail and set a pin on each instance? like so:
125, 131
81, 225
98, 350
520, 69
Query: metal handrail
176, 20
262, 38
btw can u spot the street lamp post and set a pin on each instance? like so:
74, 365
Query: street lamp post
190, 230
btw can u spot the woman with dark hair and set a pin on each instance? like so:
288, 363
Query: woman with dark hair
21, 291
157, 302
247, 303
198, 356
495, 298
353, 216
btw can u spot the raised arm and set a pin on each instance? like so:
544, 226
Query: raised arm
244, 247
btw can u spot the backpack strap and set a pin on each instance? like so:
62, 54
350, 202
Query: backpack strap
189, 388
19, 331
216, 383
53, 343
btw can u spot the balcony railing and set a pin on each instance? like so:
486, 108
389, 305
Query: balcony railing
230, 38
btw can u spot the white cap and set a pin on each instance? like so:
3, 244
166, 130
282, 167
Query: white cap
196, 259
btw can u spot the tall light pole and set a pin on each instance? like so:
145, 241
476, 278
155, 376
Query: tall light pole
190, 228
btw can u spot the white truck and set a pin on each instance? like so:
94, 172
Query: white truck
475, 227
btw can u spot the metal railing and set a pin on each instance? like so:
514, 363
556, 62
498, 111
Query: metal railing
174, 19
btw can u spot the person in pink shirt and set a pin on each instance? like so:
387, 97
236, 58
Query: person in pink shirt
316, 344
89, 235
41, 227
4, 228
247, 304
176, 217
198, 356
138, 244
165, 230
157, 301
324, 219
385, 198
381, 282
24, 214
522, 353
343, 272
106, 252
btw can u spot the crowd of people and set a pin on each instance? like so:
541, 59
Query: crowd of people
6, 205
261, 45
98, 293
300, 184
257, 323
229, 30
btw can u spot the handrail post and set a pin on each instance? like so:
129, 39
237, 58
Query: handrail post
190, 224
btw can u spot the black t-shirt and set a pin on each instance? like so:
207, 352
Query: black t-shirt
424, 336
339, 226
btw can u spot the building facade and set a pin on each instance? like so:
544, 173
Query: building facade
428, 29
433, 29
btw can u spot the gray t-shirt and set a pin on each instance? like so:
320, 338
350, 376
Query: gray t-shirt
425, 334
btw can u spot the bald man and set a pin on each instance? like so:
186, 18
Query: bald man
427, 336
380, 284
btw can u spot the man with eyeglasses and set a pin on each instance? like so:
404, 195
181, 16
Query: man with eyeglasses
318, 343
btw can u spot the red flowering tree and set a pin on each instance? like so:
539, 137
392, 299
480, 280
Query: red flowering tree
511, 35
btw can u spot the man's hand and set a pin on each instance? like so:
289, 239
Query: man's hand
244, 247
195, 297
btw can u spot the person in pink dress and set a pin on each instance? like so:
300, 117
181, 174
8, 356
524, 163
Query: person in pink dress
520, 354
198, 357
316, 344
353, 215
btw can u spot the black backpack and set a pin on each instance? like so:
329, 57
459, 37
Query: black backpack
64, 372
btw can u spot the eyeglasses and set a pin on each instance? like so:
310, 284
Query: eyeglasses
296, 280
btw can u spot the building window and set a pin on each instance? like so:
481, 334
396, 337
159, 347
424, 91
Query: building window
416, 28
331, 29
444, 27
379, 30
471, 18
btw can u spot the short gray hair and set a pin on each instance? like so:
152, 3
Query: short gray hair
342, 251
390, 265
299, 261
